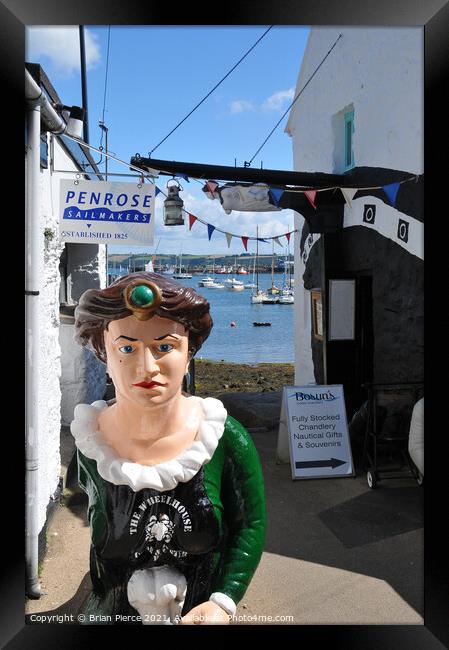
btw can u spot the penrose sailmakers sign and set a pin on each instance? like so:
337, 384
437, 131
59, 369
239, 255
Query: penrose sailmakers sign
100, 212
318, 431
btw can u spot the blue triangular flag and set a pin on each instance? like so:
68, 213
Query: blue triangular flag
184, 176
391, 191
260, 239
157, 191
276, 195
210, 230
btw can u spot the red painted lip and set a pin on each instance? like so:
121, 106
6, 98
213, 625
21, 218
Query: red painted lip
148, 384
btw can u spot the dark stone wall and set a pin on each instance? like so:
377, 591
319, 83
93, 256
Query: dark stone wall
398, 303
398, 299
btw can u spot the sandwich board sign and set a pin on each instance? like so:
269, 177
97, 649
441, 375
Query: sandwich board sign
317, 431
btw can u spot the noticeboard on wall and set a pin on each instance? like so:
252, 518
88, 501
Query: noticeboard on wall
318, 431
341, 310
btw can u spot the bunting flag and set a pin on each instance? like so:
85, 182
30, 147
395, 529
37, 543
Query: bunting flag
311, 194
276, 239
210, 189
276, 194
245, 242
184, 176
228, 238
192, 220
287, 234
210, 230
157, 191
391, 191
348, 193
260, 239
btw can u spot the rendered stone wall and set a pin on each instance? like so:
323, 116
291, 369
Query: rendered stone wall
84, 376
64, 373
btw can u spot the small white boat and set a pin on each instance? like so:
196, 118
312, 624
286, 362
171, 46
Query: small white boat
286, 299
257, 298
233, 284
181, 276
216, 285
270, 299
250, 285
206, 282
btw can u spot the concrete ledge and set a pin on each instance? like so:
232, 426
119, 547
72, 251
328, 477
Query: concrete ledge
254, 410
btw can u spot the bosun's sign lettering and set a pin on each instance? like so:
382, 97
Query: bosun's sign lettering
318, 432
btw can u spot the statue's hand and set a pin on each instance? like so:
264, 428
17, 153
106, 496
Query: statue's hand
207, 613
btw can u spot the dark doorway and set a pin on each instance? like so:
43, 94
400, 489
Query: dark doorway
350, 362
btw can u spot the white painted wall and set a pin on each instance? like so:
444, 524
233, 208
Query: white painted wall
49, 396
302, 317
377, 72
53, 382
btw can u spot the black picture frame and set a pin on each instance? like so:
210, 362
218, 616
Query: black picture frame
433, 15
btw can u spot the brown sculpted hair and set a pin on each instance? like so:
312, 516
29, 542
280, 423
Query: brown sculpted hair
98, 307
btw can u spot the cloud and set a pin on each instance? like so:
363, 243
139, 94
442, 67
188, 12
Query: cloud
278, 99
59, 46
240, 106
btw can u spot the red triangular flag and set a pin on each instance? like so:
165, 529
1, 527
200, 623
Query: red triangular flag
287, 234
192, 220
311, 194
245, 242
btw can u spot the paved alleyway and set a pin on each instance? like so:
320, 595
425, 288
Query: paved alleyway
336, 551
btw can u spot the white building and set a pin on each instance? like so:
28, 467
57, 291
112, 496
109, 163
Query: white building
67, 374
361, 115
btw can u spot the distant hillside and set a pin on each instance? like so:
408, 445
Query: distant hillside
246, 259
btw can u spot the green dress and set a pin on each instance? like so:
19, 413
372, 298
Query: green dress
211, 527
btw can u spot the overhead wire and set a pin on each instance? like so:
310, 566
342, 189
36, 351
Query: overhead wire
104, 97
211, 91
290, 189
106, 75
297, 96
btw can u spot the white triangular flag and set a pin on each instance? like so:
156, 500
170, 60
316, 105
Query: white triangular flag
276, 239
228, 237
348, 193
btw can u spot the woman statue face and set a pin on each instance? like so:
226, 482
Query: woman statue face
147, 360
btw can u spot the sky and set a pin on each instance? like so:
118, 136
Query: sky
155, 76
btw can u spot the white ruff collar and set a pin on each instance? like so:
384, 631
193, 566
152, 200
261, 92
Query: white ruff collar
164, 476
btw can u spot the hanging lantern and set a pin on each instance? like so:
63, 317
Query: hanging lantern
173, 205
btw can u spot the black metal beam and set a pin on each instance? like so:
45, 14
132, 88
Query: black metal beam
245, 174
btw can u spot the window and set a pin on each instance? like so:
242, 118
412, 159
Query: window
44, 151
348, 140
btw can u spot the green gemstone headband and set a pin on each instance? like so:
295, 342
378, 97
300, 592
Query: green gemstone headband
142, 297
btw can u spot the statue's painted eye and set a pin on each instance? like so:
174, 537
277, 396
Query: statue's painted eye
164, 347
126, 349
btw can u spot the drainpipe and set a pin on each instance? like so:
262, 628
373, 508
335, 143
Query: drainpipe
84, 83
33, 247
37, 108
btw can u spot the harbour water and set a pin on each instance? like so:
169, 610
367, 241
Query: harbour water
246, 343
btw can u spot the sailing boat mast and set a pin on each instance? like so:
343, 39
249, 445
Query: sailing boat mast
257, 259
